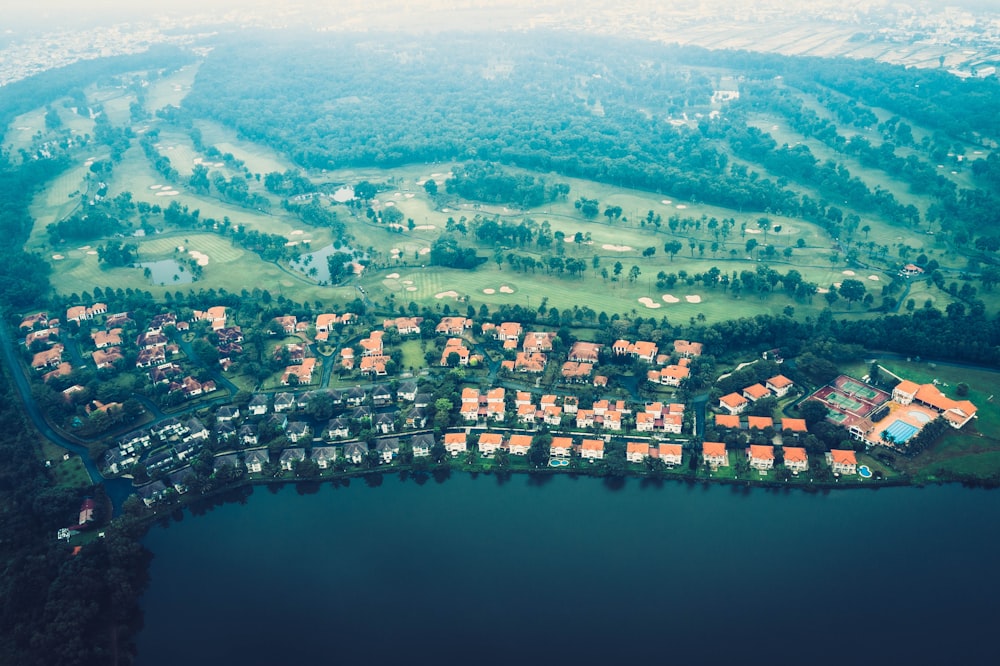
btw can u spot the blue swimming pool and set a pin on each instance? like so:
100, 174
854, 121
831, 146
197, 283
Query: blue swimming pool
901, 431
558, 462
864, 472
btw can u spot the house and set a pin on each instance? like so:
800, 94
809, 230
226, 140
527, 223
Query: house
287, 323
248, 435
537, 341
337, 428
592, 449
842, 461
561, 447
415, 417
909, 270
407, 391
298, 430
793, 425
734, 403
552, 415
290, 457
671, 375
714, 454
256, 460
755, 392
686, 349
278, 421
227, 413
372, 345
404, 325
761, 457
641, 349
355, 452
385, 422
381, 396
518, 445
453, 325
956, 412
584, 352
355, 396
577, 372
284, 402
326, 322
324, 456
258, 405
636, 452
230, 460
489, 442
507, 332
106, 358
456, 347
905, 392
727, 421
374, 365
37, 319
347, 358
796, 459
779, 385
302, 372
455, 442
101, 339
216, 316
671, 454
421, 445
150, 357
49, 358
759, 422
529, 362
49, 336
585, 418
151, 493
387, 449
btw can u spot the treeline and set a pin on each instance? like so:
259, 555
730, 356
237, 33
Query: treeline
489, 182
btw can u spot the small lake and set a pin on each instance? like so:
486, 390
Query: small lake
343, 194
164, 271
563, 570
318, 261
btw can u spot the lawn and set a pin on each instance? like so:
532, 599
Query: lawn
170, 90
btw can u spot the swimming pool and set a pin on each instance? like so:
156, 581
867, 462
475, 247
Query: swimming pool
558, 462
900, 431
864, 472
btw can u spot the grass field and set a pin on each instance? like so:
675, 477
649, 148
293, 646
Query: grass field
170, 90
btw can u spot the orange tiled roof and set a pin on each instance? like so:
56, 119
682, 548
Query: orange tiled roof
713, 449
795, 454
797, 425
759, 422
727, 420
761, 452
843, 457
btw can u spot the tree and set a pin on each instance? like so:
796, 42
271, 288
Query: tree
431, 187
672, 248
852, 290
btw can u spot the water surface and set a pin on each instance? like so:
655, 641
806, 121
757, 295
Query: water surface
575, 571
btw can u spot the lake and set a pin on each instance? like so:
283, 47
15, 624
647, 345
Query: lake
563, 570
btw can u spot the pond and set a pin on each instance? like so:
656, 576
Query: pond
318, 261
165, 271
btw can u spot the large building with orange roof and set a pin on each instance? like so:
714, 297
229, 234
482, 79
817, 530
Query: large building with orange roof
636, 452
734, 403
671, 454
761, 456
842, 461
592, 449
727, 421
796, 459
714, 454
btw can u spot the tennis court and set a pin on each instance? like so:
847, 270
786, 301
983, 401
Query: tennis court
837, 417
843, 402
851, 387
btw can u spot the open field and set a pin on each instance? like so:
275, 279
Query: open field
170, 90
259, 159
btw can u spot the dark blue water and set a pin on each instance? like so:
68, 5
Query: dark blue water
572, 571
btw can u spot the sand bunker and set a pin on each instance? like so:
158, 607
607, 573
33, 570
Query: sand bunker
666, 202
91, 251
489, 291
504, 289
873, 278
445, 210
392, 276
848, 272
407, 281
680, 206
425, 226
409, 195
199, 257
617, 248
297, 232
693, 298
411, 289
219, 164
649, 302
446, 294
754, 231
155, 187
390, 203
822, 290
837, 285
670, 298
58, 257
424, 250
167, 193
291, 243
